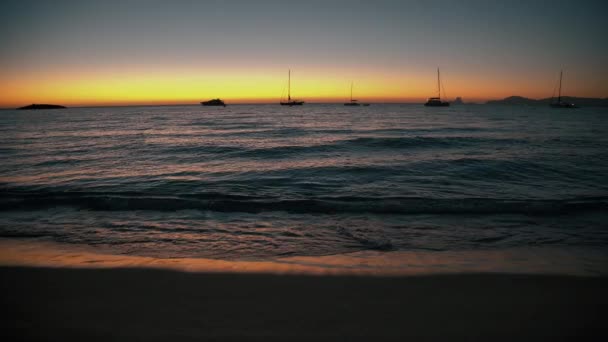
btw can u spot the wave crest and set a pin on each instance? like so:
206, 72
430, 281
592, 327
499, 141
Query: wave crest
33, 200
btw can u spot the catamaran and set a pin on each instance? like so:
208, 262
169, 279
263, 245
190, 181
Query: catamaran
290, 102
560, 103
436, 101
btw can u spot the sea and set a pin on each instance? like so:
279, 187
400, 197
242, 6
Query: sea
270, 182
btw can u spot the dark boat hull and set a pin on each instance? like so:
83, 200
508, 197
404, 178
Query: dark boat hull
352, 104
292, 103
214, 103
437, 104
563, 105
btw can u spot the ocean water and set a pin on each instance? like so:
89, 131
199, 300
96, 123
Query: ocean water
258, 182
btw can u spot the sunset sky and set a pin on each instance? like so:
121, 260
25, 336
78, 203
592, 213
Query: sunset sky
168, 52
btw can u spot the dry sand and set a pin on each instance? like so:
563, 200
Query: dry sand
71, 304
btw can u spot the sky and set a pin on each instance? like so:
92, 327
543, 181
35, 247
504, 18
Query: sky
172, 52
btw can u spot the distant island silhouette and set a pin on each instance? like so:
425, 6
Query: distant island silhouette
42, 106
520, 100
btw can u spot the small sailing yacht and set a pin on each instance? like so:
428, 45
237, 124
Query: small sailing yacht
352, 102
560, 103
436, 101
290, 102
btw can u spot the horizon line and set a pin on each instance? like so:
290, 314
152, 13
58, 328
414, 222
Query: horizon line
268, 102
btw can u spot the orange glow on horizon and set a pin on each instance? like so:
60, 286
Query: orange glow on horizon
92, 53
190, 86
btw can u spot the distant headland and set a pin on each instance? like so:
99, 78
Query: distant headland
42, 106
581, 101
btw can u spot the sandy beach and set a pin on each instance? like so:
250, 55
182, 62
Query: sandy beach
69, 293
61, 304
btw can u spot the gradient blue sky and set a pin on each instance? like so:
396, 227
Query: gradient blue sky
486, 49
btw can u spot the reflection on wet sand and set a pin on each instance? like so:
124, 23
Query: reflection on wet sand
515, 260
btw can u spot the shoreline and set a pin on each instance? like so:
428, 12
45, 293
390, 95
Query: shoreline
16, 252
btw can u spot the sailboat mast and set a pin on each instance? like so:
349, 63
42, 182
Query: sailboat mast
559, 94
289, 85
351, 91
438, 84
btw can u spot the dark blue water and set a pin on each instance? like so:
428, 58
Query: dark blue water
261, 181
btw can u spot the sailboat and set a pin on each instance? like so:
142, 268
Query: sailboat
290, 102
352, 102
436, 101
559, 103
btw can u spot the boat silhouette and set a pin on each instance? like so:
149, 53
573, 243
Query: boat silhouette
290, 102
560, 103
352, 102
436, 101
214, 102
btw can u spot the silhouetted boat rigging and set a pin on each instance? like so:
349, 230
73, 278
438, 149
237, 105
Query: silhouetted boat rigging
560, 103
436, 101
290, 102
352, 102
214, 102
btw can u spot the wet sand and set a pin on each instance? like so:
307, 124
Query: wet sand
122, 304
